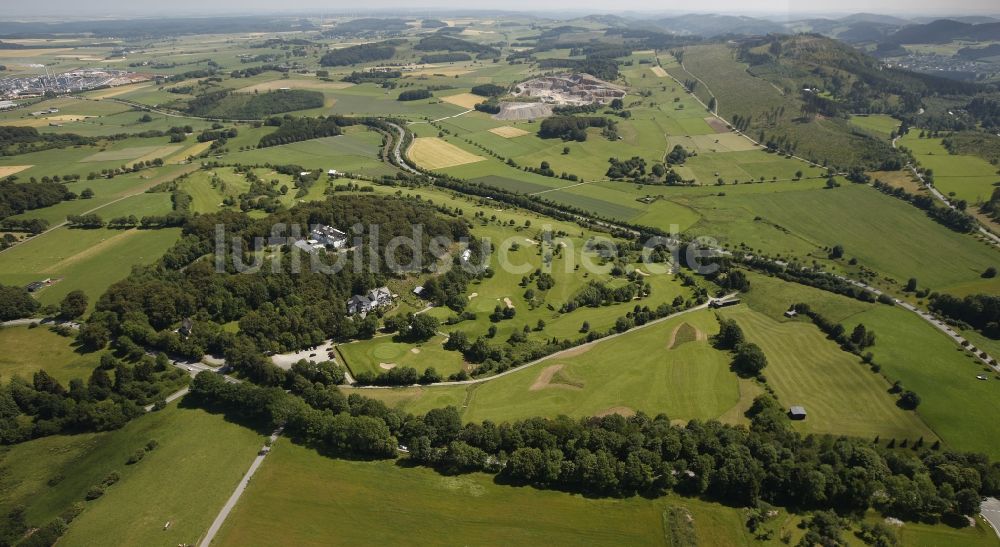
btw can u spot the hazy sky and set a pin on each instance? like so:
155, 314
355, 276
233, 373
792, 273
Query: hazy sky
113, 8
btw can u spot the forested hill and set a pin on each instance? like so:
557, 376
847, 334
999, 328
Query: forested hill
855, 81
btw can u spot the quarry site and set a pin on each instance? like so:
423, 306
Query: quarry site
575, 89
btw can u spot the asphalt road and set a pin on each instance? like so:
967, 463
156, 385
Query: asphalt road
991, 512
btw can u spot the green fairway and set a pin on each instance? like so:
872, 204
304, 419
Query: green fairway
841, 395
29, 350
381, 354
636, 371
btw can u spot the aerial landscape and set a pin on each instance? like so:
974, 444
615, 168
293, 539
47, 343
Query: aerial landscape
500, 274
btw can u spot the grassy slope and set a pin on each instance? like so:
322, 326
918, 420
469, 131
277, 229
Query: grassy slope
89, 260
28, 350
842, 396
199, 455
200, 459
966, 177
312, 500
956, 406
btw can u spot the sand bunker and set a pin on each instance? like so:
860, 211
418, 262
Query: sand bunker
414, 350
473, 295
508, 302
387, 366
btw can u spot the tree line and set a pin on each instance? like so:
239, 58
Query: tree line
362, 53
614, 456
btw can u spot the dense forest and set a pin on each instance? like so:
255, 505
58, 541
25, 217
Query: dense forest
981, 311
21, 140
439, 42
415, 95
363, 53
292, 129
570, 128
445, 58
276, 310
18, 197
252, 106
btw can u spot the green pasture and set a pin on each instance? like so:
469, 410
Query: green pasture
311, 499
354, 152
28, 350
965, 177
956, 406
881, 125
198, 452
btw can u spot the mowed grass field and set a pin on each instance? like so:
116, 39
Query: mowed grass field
199, 454
382, 353
842, 395
794, 222
435, 153
25, 351
957, 407
313, 500
644, 370
88, 260
965, 177
880, 125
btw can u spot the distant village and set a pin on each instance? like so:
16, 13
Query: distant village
24, 87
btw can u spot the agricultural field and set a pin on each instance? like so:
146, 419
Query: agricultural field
909, 350
88, 260
840, 393
970, 178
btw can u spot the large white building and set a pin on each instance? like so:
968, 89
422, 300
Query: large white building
329, 236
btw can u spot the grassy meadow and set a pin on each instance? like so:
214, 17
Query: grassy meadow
964, 177
197, 452
27, 350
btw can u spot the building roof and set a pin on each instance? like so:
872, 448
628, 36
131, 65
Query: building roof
797, 410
